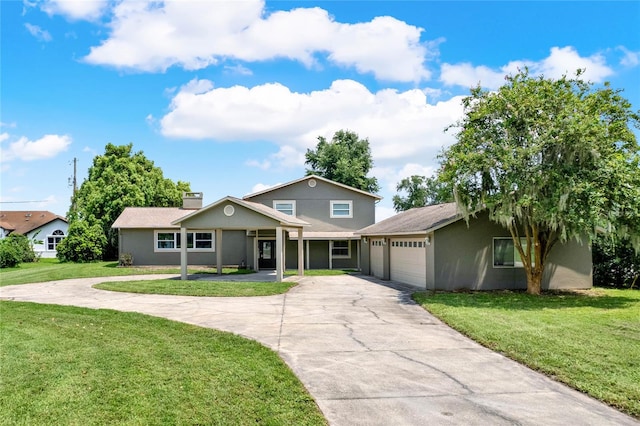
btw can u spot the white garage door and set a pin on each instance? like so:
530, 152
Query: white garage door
377, 266
408, 261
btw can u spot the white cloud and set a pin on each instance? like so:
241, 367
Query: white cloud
404, 131
261, 187
383, 212
630, 59
38, 32
237, 69
24, 149
153, 36
561, 61
76, 9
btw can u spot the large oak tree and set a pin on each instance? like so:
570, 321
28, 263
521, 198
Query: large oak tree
421, 191
117, 179
549, 159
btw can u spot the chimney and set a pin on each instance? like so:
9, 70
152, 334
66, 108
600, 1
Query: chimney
192, 200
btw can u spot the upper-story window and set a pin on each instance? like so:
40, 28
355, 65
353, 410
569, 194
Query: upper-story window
341, 209
54, 239
285, 206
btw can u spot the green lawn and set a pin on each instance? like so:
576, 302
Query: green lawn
591, 341
199, 288
52, 270
67, 365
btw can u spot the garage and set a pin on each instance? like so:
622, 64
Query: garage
408, 261
377, 258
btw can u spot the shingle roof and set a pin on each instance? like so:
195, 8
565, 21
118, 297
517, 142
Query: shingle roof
283, 218
377, 197
324, 235
24, 221
416, 220
149, 217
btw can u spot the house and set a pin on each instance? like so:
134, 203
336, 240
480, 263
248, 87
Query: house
308, 223
433, 247
43, 228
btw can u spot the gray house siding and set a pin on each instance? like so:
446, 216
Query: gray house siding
313, 205
141, 243
319, 255
463, 259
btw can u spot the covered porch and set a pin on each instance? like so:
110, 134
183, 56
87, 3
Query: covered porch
233, 214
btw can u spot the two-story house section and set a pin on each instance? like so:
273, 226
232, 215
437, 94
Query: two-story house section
332, 210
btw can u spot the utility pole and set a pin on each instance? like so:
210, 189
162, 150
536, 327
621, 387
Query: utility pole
74, 182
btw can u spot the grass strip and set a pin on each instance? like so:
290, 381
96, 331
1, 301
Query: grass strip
199, 288
68, 365
53, 270
589, 340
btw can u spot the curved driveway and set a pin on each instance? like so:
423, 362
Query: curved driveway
364, 350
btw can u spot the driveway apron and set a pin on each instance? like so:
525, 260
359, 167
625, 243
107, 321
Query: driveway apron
364, 350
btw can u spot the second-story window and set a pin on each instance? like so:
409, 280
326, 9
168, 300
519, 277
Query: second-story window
341, 209
285, 206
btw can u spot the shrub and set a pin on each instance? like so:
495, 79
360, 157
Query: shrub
126, 259
16, 249
9, 256
615, 265
82, 243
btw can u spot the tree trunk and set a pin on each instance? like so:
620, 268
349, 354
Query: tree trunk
534, 281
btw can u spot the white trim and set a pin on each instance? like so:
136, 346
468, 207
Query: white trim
55, 243
341, 256
293, 206
177, 232
334, 216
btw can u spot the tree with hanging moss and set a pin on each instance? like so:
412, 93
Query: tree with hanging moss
117, 179
549, 159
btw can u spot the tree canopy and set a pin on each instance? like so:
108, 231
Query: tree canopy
117, 179
551, 160
421, 191
345, 159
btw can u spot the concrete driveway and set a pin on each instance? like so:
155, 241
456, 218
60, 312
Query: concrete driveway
365, 351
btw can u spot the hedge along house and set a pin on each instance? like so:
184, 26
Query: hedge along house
434, 248
226, 232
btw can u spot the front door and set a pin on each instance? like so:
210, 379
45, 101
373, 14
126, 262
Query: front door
267, 259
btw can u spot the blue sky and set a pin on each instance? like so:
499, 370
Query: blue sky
229, 95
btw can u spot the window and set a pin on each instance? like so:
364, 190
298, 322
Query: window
54, 239
285, 206
506, 255
171, 241
341, 209
340, 249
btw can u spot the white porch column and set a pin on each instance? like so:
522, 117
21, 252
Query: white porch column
183, 253
219, 251
330, 257
300, 253
279, 253
256, 253
357, 251
308, 267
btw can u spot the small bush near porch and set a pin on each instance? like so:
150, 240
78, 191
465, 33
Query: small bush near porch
589, 340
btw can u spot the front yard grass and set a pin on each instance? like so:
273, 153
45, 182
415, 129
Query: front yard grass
53, 270
68, 365
588, 340
199, 288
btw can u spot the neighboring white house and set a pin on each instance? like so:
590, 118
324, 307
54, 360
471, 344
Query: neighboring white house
44, 228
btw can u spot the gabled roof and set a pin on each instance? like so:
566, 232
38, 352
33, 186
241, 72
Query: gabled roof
149, 217
24, 221
419, 220
320, 178
284, 219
